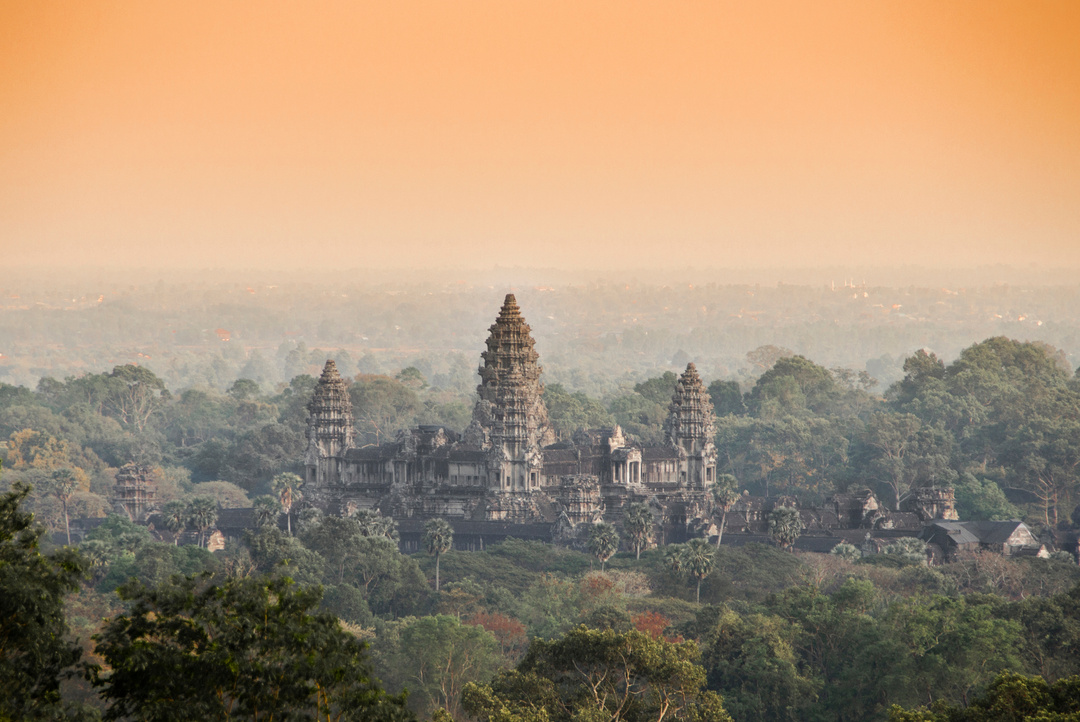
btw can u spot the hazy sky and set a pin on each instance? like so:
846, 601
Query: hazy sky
602, 134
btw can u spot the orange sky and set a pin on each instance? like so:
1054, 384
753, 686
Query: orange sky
599, 134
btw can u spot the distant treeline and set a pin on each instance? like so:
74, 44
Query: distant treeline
599, 337
1001, 424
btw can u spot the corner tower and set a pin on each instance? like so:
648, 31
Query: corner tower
510, 419
330, 428
690, 428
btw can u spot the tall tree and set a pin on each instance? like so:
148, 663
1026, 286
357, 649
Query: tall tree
202, 514
248, 649
434, 657
35, 649
62, 484
438, 539
599, 675
265, 510
725, 493
698, 558
638, 526
603, 542
175, 517
287, 486
373, 524
134, 395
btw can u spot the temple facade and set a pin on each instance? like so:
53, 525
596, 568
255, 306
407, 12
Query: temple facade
506, 471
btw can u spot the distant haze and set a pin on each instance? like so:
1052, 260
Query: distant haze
563, 135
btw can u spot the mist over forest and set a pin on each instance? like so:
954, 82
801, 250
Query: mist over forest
595, 333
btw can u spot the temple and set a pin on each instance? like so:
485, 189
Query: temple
506, 475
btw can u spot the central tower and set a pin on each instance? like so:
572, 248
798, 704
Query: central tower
510, 419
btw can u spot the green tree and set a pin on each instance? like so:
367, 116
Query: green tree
752, 660
603, 542
381, 406
982, 500
435, 657
1011, 697
246, 649
909, 549
569, 412
638, 526
134, 395
793, 383
35, 649
202, 514
287, 486
438, 539
727, 398
901, 453
950, 647
658, 390
373, 524
244, 390
724, 493
847, 551
785, 526
698, 559
599, 675
62, 484
265, 510
673, 557
174, 515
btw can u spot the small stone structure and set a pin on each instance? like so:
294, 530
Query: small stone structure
135, 491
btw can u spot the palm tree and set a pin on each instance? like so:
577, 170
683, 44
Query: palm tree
265, 510
175, 517
697, 560
202, 513
673, 557
846, 551
96, 554
438, 538
785, 526
287, 487
908, 548
62, 484
724, 496
638, 526
374, 524
603, 542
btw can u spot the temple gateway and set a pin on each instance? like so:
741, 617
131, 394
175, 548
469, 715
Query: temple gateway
506, 475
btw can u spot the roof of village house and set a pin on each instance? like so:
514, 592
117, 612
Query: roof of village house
969, 532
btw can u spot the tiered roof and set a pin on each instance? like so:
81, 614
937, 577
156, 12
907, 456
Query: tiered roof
690, 415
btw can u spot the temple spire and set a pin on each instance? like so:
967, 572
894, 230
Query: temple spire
330, 419
690, 416
511, 405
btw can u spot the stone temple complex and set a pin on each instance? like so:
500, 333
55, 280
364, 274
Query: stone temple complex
506, 475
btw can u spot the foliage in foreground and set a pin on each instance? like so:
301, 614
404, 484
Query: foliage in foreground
1010, 698
599, 675
245, 649
35, 652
